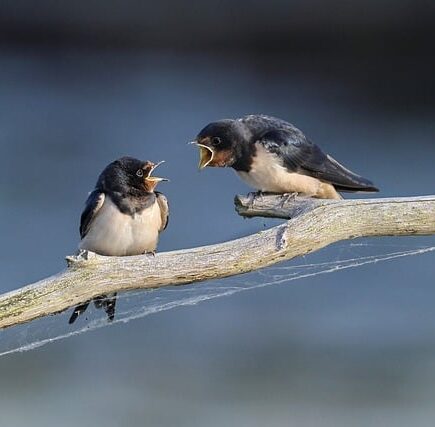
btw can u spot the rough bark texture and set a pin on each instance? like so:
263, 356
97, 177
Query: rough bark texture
313, 224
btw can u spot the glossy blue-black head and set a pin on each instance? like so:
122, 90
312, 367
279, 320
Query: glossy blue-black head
218, 143
128, 174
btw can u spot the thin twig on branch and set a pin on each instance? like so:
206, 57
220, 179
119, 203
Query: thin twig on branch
314, 224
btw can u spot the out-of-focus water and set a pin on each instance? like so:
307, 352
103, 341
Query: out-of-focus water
353, 348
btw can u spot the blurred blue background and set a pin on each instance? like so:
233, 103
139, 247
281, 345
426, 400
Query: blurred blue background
82, 83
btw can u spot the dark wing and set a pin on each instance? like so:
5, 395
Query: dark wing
258, 124
164, 209
93, 205
302, 156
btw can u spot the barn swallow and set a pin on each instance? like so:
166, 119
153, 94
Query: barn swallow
272, 155
123, 216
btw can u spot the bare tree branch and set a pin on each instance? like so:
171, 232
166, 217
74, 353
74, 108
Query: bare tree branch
314, 224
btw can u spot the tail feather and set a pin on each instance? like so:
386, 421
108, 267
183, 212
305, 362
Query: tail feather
109, 305
80, 309
357, 189
345, 180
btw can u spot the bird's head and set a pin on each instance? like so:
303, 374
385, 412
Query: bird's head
130, 175
217, 144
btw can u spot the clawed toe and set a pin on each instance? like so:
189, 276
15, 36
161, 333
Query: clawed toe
285, 198
253, 196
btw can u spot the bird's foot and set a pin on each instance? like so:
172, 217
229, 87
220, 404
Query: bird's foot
79, 256
286, 197
151, 253
253, 196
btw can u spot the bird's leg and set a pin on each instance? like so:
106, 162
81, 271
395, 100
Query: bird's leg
83, 254
252, 196
286, 197
152, 253
259, 194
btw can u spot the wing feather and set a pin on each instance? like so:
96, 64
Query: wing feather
164, 209
93, 205
302, 156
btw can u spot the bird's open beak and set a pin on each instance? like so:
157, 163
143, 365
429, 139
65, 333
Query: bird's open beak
206, 155
156, 178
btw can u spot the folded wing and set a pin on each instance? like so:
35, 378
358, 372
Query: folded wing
92, 206
164, 209
302, 156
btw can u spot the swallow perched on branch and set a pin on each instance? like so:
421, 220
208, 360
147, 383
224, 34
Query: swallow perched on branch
272, 155
123, 216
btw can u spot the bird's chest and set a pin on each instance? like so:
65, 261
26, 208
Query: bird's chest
147, 221
268, 174
115, 233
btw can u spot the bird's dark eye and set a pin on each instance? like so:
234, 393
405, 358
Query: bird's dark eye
215, 141
139, 173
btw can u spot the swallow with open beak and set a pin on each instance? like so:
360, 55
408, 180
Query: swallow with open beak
272, 155
123, 216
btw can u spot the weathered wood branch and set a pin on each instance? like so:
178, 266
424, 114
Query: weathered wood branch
314, 224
